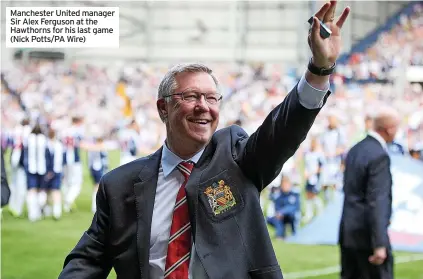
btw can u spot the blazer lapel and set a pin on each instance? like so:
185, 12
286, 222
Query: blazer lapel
145, 190
206, 157
194, 180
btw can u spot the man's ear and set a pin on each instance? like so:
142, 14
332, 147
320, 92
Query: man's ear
162, 108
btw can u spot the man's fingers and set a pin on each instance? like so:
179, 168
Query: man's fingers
330, 14
316, 24
343, 17
321, 13
372, 259
315, 29
375, 260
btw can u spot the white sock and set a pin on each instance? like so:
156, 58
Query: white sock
42, 199
67, 207
12, 186
64, 188
20, 202
19, 193
326, 194
57, 210
308, 210
47, 210
93, 204
34, 212
318, 203
72, 194
12, 201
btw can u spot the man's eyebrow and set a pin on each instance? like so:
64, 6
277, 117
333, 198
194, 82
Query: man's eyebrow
195, 89
190, 89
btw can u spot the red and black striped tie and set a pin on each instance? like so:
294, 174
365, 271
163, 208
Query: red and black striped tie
179, 247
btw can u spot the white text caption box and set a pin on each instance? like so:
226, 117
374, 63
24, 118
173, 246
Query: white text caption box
62, 27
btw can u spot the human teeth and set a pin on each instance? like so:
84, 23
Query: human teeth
200, 121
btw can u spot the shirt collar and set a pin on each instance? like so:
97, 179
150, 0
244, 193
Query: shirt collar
170, 160
378, 138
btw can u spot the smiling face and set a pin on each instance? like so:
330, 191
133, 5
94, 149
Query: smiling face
190, 124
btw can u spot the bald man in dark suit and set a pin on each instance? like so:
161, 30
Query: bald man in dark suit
364, 241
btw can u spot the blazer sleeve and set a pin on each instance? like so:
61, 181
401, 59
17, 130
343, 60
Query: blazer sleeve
262, 155
377, 196
90, 259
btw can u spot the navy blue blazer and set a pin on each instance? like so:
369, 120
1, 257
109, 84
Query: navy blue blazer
231, 236
367, 205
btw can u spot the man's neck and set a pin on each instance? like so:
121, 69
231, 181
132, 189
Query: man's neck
378, 137
182, 153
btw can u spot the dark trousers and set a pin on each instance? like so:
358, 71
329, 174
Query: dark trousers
280, 225
355, 265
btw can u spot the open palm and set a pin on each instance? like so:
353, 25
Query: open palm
326, 51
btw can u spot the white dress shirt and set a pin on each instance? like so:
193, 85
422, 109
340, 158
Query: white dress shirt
379, 139
168, 183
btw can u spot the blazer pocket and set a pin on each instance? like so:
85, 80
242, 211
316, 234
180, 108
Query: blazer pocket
269, 272
220, 197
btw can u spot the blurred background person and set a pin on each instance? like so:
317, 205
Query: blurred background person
35, 162
368, 125
364, 241
287, 212
54, 176
416, 152
18, 175
129, 140
72, 182
98, 164
313, 162
333, 144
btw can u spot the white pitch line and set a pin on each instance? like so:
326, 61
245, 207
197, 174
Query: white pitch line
337, 268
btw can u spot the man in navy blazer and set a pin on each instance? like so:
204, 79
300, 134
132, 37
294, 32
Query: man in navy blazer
203, 182
364, 241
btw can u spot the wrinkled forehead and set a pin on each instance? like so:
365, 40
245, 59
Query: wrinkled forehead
199, 81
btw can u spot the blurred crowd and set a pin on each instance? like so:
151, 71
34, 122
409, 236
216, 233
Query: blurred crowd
118, 107
393, 51
107, 99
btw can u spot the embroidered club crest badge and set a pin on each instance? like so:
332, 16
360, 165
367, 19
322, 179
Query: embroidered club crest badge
220, 197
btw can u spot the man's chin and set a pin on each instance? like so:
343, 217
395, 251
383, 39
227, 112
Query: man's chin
201, 138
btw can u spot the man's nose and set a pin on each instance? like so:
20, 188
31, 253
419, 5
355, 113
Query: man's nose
202, 103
